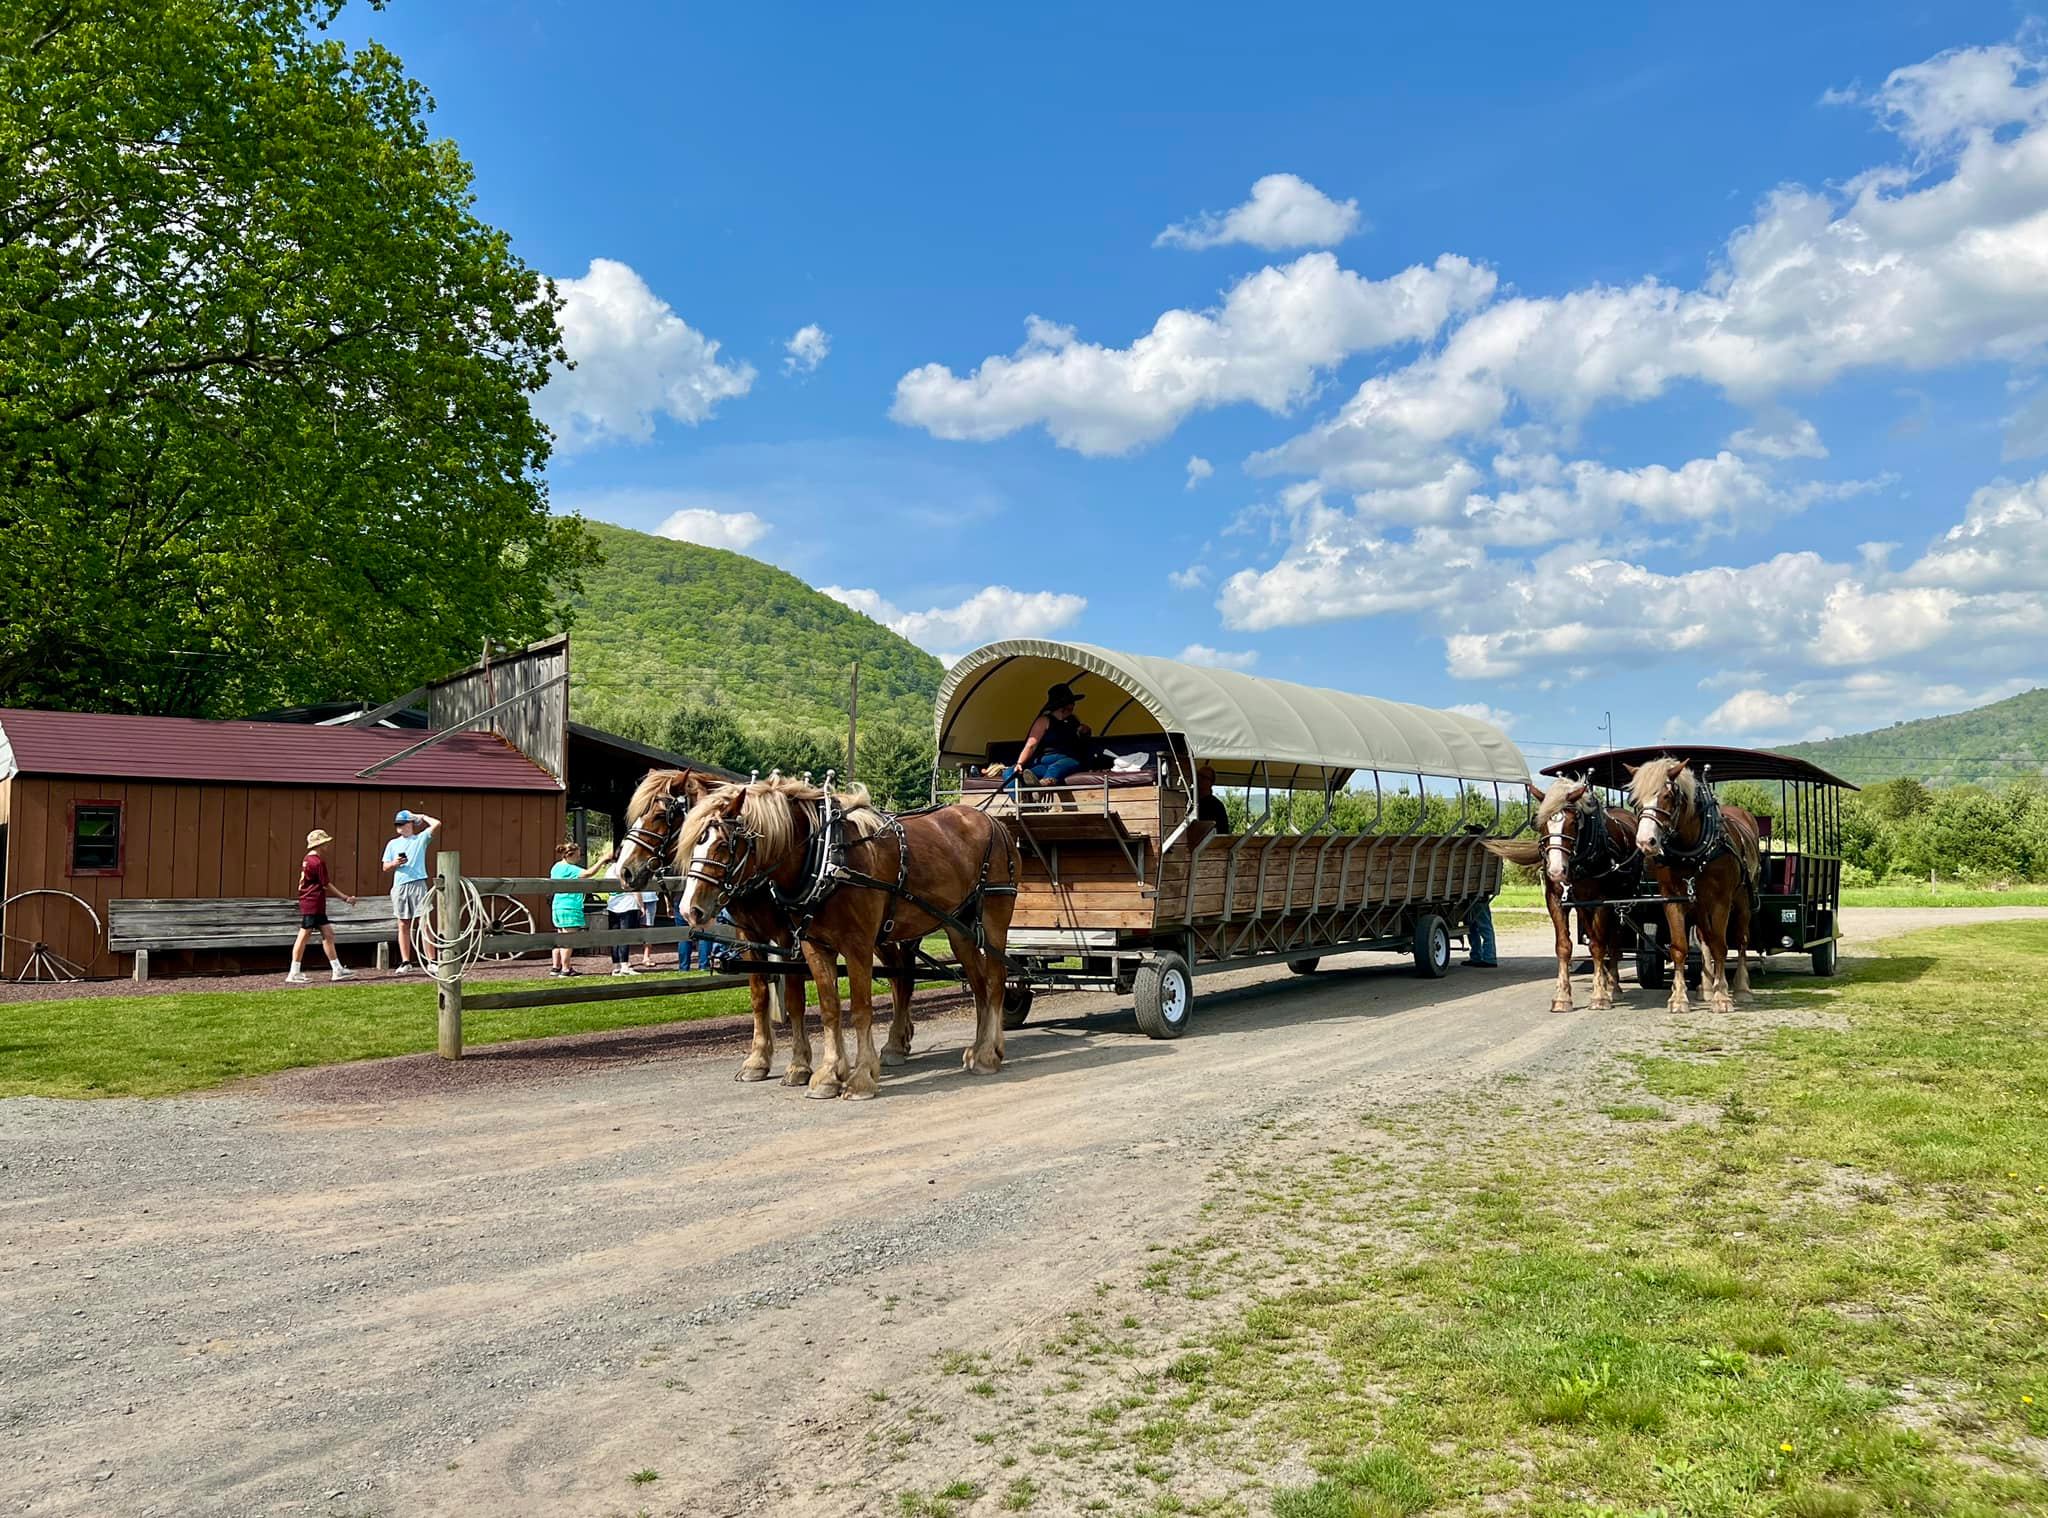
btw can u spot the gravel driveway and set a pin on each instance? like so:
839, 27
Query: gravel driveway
508, 1298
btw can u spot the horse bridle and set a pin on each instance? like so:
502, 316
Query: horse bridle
1666, 818
1590, 855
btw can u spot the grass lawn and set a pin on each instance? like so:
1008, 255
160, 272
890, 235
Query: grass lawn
156, 1045
1799, 1270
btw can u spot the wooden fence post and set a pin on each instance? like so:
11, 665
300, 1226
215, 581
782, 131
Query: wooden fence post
448, 892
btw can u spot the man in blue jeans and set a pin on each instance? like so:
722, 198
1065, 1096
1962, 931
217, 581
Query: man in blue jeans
1057, 745
1479, 921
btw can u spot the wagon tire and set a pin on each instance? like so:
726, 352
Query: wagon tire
1016, 1005
1652, 969
1304, 966
1827, 957
1163, 996
1432, 947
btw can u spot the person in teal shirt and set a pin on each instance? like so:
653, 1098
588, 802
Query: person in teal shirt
568, 907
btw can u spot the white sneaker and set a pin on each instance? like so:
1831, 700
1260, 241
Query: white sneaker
341, 973
405, 967
295, 976
619, 970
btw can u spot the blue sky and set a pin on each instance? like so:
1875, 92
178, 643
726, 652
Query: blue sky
1545, 368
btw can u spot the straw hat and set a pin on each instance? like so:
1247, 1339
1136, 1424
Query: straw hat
317, 837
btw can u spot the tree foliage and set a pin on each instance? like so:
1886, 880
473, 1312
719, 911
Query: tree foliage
264, 377
2003, 741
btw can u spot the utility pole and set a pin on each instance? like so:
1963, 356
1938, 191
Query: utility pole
853, 722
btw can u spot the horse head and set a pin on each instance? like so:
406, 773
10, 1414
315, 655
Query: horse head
1665, 793
654, 816
1561, 812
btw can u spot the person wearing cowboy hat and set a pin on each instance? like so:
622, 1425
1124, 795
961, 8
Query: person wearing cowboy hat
314, 885
1057, 745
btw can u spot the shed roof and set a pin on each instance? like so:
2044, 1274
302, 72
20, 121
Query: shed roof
1252, 730
264, 753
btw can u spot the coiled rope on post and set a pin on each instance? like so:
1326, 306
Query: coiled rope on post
461, 945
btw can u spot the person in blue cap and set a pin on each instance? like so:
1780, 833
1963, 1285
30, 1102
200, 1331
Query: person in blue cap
405, 861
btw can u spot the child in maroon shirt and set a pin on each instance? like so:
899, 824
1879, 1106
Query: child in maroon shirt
314, 886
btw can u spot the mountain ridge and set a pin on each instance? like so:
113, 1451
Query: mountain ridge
665, 625
1994, 743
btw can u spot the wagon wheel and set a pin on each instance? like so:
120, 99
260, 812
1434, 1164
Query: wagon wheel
506, 914
42, 962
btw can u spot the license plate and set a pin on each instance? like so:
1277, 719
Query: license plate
1788, 914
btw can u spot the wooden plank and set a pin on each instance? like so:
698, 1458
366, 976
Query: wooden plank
185, 841
207, 850
624, 989
590, 938
448, 995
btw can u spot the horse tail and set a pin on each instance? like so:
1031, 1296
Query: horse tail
1523, 851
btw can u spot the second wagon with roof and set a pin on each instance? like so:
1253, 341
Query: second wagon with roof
1125, 889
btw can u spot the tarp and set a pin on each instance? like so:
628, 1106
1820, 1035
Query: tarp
1253, 731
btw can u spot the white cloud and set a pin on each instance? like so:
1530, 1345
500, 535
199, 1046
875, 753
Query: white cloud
1753, 711
1194, 577
1909, 267
1781, 435
1479, 710
1285, 211
1217, 658
634, 359
1199, 469
737, 530
1275, 333
989, 614
806, 350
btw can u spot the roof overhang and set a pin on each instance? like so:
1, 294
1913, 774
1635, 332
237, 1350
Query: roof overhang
1254, 731
1611, 768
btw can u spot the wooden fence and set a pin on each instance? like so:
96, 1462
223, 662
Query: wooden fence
449, 898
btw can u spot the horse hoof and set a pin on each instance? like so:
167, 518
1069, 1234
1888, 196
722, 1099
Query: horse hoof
751, 1072
1602, 1006
1559, 1004
796, 1077
823, 1093
858, 1091
893, 1057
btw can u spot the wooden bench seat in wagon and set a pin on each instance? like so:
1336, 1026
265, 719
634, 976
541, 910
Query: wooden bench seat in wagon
142, 926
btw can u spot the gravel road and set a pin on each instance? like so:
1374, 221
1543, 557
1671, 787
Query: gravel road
507, 1298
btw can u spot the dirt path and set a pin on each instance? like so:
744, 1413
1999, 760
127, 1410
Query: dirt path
509, 1300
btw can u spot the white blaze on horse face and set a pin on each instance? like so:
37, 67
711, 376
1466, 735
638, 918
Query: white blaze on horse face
1648, 834
696, 904
1556, 853
629, 857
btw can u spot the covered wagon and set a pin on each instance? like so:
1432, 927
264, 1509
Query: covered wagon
1125, 890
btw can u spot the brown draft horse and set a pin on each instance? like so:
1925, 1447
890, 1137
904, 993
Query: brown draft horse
1584, 848
654, 815
749, 848
1689, 838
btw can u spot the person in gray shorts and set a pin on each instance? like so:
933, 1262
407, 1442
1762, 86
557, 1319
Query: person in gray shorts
405, 861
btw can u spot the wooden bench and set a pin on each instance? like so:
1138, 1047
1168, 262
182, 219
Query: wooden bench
139, 925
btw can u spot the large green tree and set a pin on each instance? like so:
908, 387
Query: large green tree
264, 375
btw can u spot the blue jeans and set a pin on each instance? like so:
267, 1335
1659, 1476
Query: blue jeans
1479, 931
621, 952
1049, 768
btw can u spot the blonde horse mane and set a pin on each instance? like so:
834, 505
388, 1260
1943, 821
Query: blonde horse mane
1649, 780
1560, 795
769, 810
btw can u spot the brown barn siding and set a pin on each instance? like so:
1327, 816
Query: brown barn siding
196, 841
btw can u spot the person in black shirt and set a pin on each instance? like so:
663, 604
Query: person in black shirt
1209, 806
1058, 744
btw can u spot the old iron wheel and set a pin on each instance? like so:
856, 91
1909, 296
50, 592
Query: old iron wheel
1163, 996
1432, 947
1304, 966
1827, 957
507, 914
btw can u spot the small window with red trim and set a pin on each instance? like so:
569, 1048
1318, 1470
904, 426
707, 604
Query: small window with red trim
96, 838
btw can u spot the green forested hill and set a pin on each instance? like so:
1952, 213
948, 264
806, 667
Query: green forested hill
664, 625
1996, 742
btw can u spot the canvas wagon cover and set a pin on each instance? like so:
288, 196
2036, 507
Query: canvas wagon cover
1303, 736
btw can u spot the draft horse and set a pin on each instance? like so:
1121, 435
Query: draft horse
655, 814
1707, 860
844, 880
1588, 853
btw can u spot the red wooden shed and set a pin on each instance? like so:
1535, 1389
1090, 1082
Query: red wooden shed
102, 807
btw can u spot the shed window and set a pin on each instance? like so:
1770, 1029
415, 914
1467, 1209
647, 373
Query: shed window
96, 838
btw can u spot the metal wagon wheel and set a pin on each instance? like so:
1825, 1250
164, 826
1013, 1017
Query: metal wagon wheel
42, 961
507, 914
